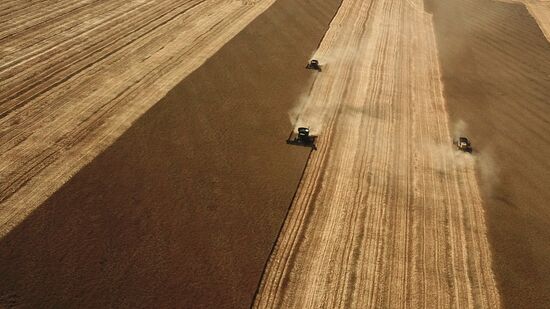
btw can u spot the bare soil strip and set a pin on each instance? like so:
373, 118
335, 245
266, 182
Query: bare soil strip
75, 75
387, 214
496, 70
183, 209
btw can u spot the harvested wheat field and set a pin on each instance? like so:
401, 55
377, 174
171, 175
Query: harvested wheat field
387, 213
143, 160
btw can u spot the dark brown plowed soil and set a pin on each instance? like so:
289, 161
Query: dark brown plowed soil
496, 71
182, 211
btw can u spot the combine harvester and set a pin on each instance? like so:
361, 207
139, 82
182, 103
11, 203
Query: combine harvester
302, 138
463, 144
313, 65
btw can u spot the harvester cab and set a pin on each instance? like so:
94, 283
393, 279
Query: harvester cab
302, 138
313, 65
463, 144
303, 134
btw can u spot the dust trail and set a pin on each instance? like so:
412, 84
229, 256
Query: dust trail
488, 171
303, 114
308, 114
459, 129
313, 114
294, 113
335, 55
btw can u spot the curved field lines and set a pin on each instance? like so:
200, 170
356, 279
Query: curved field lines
387, 214
74, 75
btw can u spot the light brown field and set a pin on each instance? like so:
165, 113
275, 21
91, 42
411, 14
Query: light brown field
143, 163
387, 214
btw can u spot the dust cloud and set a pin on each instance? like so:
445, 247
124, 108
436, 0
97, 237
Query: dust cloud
340, 55
309, 111
459, 129
488, 170
445, 156
306, 114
